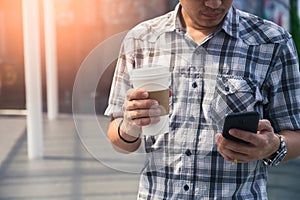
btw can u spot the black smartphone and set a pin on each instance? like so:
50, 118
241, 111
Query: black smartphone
247, 121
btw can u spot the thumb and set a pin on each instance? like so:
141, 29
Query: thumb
264, 125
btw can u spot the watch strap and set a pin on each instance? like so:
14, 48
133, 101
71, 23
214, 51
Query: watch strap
279, 155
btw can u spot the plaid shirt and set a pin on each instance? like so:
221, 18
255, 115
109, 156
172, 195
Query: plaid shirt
247, 64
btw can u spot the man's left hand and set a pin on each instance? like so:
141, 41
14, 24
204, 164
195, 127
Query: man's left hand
261, 145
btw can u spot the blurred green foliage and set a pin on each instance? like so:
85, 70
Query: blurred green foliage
295, 25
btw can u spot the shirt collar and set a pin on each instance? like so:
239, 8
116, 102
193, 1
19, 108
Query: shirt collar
230, 24
175, 24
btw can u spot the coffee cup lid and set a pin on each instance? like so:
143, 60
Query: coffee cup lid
149, 72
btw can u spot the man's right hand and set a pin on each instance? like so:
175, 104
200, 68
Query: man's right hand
139, 111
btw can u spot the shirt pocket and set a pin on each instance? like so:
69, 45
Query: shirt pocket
233, 94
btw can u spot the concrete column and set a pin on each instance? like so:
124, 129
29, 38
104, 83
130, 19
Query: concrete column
51, 59
32, 60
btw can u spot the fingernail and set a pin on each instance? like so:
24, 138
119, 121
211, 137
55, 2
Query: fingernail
145, 94
217, 138
154, 103
157, 111
155, 120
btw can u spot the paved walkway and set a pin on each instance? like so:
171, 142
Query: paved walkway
69, 172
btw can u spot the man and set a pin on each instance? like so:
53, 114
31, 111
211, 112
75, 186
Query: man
221, 60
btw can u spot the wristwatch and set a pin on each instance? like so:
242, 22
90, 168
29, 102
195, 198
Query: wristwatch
279, 155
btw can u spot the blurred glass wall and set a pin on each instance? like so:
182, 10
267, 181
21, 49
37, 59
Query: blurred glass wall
80, 26
277, 11
12, 90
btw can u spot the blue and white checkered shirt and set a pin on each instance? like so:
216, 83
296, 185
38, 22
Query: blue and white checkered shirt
247, 64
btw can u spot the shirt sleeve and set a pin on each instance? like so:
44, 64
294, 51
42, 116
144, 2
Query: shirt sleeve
120, 84
284, 96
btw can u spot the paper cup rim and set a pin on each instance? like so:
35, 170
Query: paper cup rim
149, 77
148, 72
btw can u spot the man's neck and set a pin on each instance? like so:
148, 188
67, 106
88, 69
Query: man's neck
197, 32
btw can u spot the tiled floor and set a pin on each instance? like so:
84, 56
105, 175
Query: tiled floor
70, 172
67, 172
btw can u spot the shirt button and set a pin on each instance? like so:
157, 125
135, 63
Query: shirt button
188, 152
227, 88
186, 187
192, 118
194, 85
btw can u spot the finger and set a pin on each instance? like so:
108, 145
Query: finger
223, 150
265, 125
240, 158
235, 157
233, 146
231, 150
231, 155
146, 121
143, 113
140, 104
243, 135
222, 147
219, 138
134, 94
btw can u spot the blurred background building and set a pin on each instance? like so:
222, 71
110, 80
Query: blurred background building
80, 26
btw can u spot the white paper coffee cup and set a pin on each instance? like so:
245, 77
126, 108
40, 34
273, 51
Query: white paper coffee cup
155, 80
